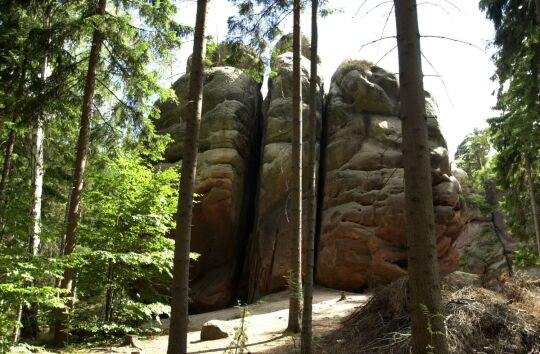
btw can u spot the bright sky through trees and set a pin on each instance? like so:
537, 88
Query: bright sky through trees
466, 100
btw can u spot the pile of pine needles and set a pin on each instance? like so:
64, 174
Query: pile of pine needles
478, 320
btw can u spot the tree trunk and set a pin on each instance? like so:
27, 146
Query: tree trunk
37, 185
29, 321
295, 273
38, 171
6, 169
61, 330
497, 217
534, 206
537, 7
180, 284
109, 295
428, 330
307, 327
30, 327
8, 159
17, 329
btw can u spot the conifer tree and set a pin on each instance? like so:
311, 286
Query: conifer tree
515, 132
178, 328
427, 322
61, 329
295, 280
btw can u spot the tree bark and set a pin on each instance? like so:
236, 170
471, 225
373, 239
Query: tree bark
295, 273
534, 206
497, 217
8, 158
37, 185
537, 7
30, 327
428, 330
109, 295
17, 330
61, 330
6, 168
180, 284
307, 318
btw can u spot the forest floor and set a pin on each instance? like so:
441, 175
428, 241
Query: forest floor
264, 326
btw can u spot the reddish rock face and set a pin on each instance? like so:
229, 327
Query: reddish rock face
225, 183
362, 238
268, 258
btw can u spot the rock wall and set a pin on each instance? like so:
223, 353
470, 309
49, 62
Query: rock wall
484, 246
362, 239
241, 220
267, 262
226, 174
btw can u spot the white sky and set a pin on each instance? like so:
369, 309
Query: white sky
466, 101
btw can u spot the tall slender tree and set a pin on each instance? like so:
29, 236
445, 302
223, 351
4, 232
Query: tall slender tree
30, 311
180, 284
428, 330
295, 272
61, 326
517, 40
8, 157
307, 328
534, 206
6, 167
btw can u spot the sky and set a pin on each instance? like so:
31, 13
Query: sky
457, 75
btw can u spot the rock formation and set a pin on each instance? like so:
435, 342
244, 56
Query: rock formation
226, 171
241, 220
362, 239
484, 247
268, 254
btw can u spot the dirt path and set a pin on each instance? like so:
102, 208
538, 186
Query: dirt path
265, 325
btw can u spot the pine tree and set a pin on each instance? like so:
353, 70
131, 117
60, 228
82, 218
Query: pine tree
427, 322
517, 39
307, 329
178, 328
61, 330
295, 272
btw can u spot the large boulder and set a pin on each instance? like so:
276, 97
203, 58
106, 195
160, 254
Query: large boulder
215, 329
362, 239
226, 170
268, 257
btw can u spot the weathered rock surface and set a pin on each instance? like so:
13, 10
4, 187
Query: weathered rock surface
226, 171
269, 250
234, 54
484, 241
216, 329
362, 238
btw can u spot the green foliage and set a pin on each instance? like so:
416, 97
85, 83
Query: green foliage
515, 132
239, 342
16, 273
525, 257
473, 154
123, 244
237, 55
124, 250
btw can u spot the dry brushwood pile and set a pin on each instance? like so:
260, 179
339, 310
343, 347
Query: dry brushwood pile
478, 320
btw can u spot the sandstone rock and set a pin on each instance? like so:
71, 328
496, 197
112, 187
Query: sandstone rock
362, 238
226, 171
482, 244
215, 329
234, 54
284, 45
269, 250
